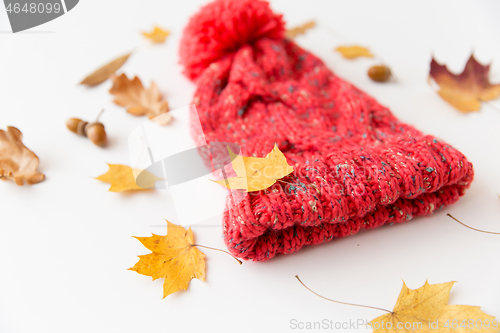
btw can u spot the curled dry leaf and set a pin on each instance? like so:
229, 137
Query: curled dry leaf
426, 309
256, 173
139, 101
300, 30
103, 73
354, 51
17, 162
158, 35
124, 178
466, 90
174, 257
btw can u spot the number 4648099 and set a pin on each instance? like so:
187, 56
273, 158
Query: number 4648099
34, 8
471, 324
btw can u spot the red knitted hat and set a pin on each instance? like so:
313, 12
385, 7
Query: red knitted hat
356, 165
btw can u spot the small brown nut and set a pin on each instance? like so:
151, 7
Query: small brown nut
76, 126
96, 133
379, 73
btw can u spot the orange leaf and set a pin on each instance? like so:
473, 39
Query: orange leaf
174, 257
157, 36
103, 73
139, 101
17, 162
466, 90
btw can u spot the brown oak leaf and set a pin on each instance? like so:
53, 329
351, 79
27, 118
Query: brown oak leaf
140, 101
17, 162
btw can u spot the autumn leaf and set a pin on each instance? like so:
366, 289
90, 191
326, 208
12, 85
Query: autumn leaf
426, 309
255, 173
465, 91
300, 30
354, 51
17, 162
139, 101
103, 73
466, 318
158, 35
123, 178
174, 257
428, 305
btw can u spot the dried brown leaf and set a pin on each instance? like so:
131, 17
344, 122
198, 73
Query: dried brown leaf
103, 73
139, 101
17, 162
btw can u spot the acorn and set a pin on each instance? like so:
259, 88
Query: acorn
76, 125
379, 73
94, 131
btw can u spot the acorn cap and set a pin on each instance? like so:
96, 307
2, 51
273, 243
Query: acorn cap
76, 125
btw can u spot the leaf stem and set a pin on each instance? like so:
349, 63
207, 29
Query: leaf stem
492, 105
465, 225
212, 248
331, 300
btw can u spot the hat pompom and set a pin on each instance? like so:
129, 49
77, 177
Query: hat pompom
223, 26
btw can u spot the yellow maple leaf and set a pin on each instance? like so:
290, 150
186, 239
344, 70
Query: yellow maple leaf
466, 318
426, 309
256, 173
300, 30
174, 257
354, 51
466, 90
158, 35
123, 178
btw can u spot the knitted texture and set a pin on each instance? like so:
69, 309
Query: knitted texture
356, 166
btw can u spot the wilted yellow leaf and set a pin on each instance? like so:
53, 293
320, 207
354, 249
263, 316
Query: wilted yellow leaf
121, 178
466, 90
300, 30
17, 162
354, 51
256, 173
158, 35
103, 73
139, 101
174, 257
426, 309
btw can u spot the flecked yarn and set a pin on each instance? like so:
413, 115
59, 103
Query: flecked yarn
356, 166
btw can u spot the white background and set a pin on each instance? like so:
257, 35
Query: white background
65, 244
